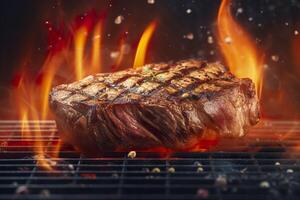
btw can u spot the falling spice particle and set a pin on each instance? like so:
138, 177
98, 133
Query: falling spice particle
131, 154
22, 189
171, 169
155, 170
277, 163
221, 182
71, 167
296, 32
200, 169
264, 184
290, 171
188, 11
244, 170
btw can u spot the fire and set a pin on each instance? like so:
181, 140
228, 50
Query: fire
96, 51
78, 53
140, 56
72, 54
238, 47
80, 41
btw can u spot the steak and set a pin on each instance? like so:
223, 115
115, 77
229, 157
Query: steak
168, 105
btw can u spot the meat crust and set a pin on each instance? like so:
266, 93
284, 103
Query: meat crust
158, 105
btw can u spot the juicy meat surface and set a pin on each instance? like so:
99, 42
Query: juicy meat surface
158, 105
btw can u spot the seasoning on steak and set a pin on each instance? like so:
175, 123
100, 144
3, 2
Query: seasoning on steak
158, 105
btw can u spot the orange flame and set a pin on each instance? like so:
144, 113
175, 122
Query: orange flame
65, 61
238, 47
96, 50
80, 41
140, 55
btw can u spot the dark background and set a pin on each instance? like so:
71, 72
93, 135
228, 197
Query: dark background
272, 23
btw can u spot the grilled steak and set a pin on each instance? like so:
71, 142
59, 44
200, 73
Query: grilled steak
158, 105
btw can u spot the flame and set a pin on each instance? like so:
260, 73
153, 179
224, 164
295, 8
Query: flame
96, 50
80, 41
140, 55
68, 58
238, 47
50, 68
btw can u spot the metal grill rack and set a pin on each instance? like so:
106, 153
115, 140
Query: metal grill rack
264, 165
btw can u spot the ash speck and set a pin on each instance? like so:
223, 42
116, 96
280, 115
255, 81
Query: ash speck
114, 54
119, 19
45, 193
71, 167
228, 40
151, 1
221, 181
275, 58
210, 40
240, 10
189, 36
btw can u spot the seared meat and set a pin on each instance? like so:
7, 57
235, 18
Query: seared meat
158, 105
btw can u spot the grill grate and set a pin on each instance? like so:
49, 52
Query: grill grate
263, 165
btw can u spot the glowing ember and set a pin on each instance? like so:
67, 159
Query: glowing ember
238, 47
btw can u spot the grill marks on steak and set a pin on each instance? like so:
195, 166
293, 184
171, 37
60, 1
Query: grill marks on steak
142, 83
164, 104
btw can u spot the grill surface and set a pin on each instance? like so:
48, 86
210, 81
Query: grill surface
264, 165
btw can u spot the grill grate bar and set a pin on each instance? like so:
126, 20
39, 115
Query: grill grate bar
268, 154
